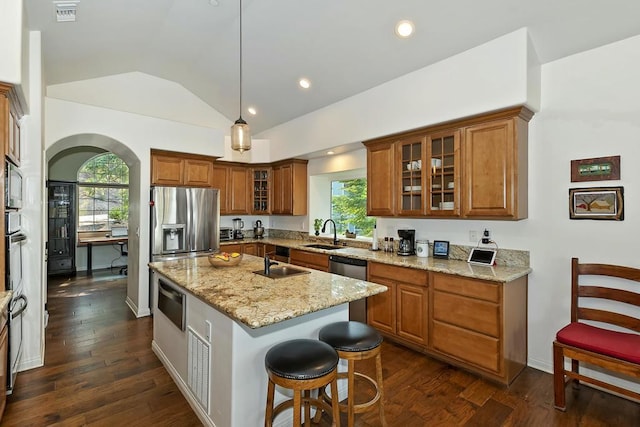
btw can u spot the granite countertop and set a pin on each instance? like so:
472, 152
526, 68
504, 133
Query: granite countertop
497, 273
258, 301
5, 299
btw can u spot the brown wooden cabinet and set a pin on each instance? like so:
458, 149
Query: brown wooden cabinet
402, 311
495, 169
250, 249
4, 356
477, 168
261, 190
220, 180
380, 178
181, 169
289, 195
317, 261
239, 196
480, 325
11, 113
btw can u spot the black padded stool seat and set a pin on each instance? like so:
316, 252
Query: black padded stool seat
356, 341
302, 365
350, 336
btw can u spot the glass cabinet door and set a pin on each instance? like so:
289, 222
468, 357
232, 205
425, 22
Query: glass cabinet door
444, 173
261, 186
411, 155
61, 242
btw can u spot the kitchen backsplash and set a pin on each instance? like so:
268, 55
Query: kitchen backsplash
505, 257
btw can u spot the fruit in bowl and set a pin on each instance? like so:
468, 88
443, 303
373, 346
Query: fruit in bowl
225, 259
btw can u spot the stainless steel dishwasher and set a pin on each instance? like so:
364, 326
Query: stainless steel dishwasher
356, 269
171, 302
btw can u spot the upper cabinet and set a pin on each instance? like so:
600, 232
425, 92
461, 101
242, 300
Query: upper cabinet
179, 169
10, 114
261, 190
470, 168
239, 196
380, 178
289, 195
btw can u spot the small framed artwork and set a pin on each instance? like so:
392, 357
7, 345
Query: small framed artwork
597, 203
596, 169
441, 249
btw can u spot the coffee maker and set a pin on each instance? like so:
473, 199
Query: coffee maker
407, 244
238, 225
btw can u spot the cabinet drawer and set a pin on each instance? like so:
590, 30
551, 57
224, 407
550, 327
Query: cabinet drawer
398, 274
469, 313
60, 263
468, 346
309, 259
488, 291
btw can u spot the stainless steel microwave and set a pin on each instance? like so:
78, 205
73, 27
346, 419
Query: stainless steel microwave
13, 186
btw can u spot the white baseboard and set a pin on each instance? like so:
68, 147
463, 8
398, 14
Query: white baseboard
136, 311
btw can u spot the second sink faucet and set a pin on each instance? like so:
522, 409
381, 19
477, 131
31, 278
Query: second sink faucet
335, 233
267, 264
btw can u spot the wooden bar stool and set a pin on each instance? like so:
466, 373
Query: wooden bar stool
302, 365
356, 341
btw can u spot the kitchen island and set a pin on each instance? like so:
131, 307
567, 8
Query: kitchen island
232, 318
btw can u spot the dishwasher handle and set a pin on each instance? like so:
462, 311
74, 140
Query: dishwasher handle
169, 292
350, 261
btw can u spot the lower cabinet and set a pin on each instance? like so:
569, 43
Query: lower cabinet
401, 311
4, 356
313, 260
250, 249
476, 324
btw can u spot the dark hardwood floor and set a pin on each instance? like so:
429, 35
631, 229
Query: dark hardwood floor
100, 371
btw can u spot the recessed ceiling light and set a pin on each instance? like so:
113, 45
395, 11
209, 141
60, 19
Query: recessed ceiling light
331, 152
304, 83
404, 28
252, 111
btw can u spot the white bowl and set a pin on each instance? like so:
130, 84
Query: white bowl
436, 163
447, 205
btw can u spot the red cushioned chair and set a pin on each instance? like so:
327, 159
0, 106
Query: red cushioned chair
581, 342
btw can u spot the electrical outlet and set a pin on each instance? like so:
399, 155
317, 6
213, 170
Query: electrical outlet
486, 236
473, 236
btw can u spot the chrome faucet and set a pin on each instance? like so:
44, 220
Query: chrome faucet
335, 235
267, 264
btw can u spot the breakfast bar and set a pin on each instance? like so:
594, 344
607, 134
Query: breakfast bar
231, 317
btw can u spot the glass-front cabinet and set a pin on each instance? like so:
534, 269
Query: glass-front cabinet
61, 246
261, 188
411, 154
444, 173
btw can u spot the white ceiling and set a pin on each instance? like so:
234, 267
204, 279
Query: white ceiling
343, 46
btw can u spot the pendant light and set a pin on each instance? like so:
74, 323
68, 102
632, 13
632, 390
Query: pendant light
240, 132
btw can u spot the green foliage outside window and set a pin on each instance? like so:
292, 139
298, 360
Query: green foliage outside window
349, 207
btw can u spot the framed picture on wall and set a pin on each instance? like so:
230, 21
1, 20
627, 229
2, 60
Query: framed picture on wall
597, 203
596, 169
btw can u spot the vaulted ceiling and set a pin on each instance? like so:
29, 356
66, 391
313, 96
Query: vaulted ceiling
342, 46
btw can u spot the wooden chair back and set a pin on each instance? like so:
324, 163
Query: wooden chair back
603, 291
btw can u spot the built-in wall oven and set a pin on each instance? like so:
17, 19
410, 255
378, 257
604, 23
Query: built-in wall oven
13, 186
14, 243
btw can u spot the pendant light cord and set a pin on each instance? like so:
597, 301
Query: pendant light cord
240, 59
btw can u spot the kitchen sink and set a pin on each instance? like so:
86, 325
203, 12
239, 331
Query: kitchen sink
282, 272
321, 246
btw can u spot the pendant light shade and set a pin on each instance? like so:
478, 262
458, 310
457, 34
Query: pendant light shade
240, 132
240, 136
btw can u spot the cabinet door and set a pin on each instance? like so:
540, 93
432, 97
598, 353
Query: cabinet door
313, 260
220, 180
381, 308
234, 247
380, 180
198, 173
12, 148
167, 170
286, 189
277, 198
412, 309
238, 190
410, 177
490, 162
443, 157
261, 189
250, 248
4, 355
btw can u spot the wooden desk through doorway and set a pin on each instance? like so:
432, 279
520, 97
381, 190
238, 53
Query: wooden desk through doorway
89, 241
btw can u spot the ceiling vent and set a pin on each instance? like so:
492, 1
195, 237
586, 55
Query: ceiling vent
66, 11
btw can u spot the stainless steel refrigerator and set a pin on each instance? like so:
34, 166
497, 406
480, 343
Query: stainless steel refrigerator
184, 222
